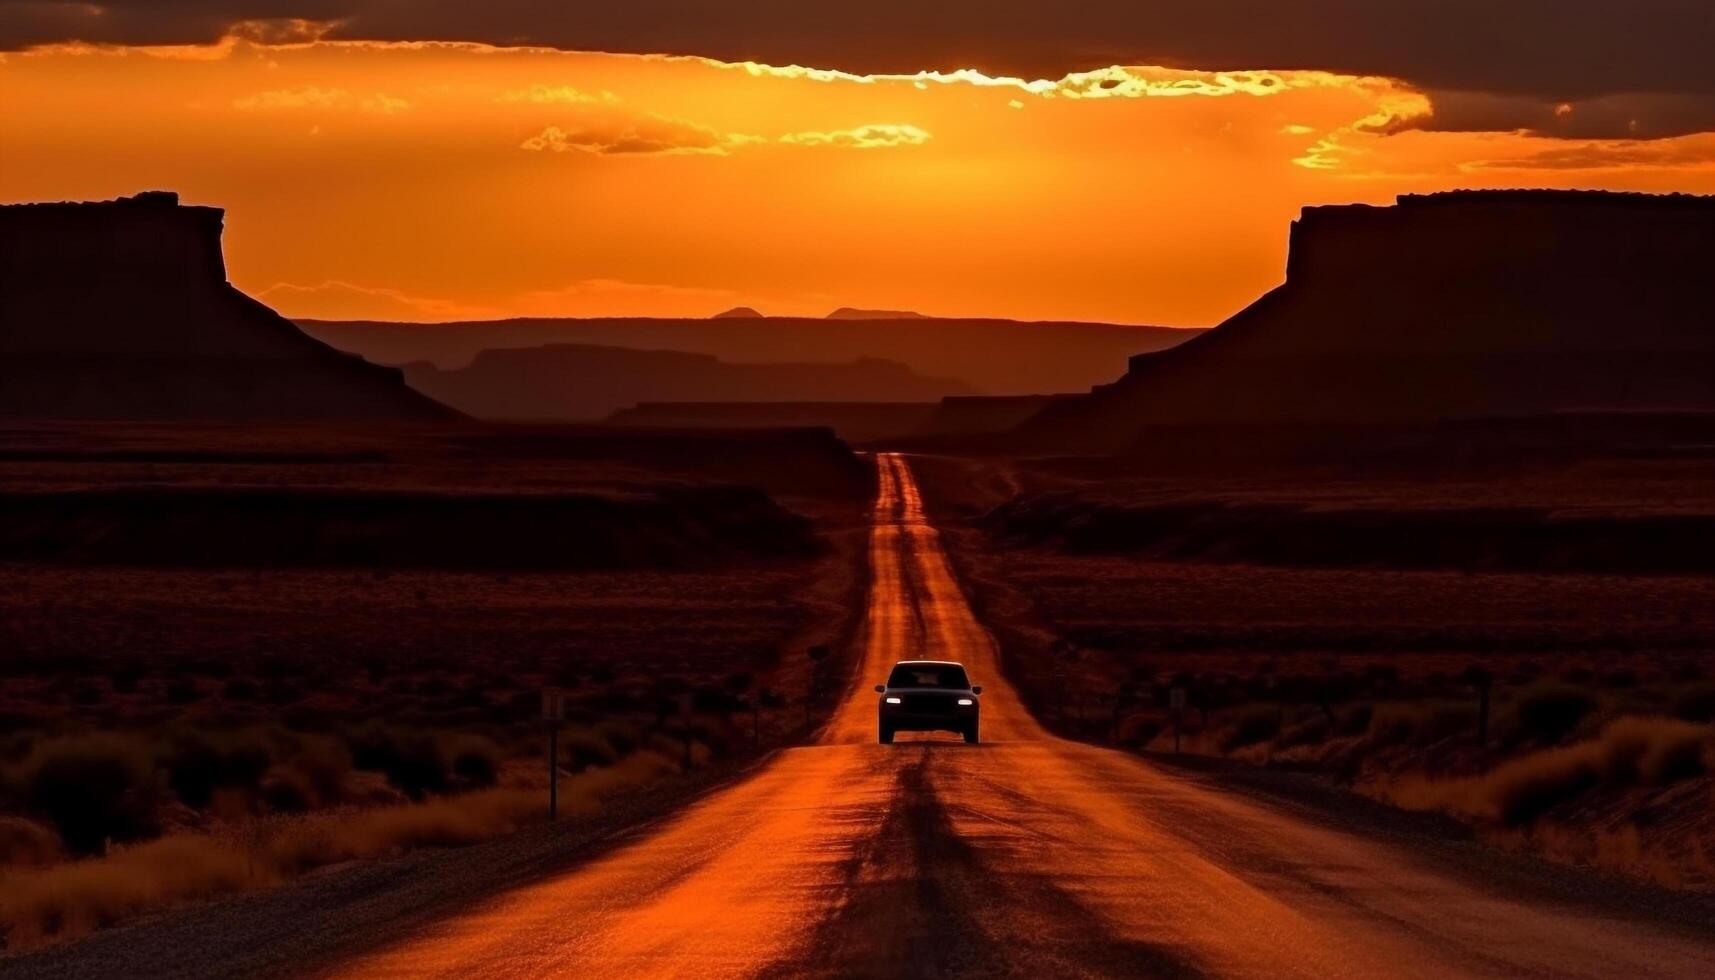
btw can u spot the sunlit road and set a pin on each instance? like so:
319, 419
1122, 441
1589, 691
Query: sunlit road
1027, 855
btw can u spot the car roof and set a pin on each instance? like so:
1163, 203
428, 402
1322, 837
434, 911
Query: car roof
928, 663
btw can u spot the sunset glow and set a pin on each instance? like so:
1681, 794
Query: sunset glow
427, 181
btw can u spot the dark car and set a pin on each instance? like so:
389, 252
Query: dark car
928, 696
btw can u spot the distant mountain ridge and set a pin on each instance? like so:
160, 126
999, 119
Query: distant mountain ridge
1457, 305
585, 382
853, 313
988, 356
121, 309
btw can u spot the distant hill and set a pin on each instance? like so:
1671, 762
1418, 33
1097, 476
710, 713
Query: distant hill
851, 421
1460, 305
851, 313
738, 313
586, 382
999, 357
121, 310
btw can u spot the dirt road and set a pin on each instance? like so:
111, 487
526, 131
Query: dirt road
1027, 855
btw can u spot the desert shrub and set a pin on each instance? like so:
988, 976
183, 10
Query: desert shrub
1419, 723
286, 790
1354, 720
125, 679
1695, 702
581, 748
192, 763
324, 765
412, 761
1253, 724
1137, 730
475, 760
92, 788
1550, 712
1621, 677
623, 736
24, 842
183, 690
670, 746
72, 898
283, 691
197, 764
1310, 731
239, 689
1652, 751
1524, 789
16, 746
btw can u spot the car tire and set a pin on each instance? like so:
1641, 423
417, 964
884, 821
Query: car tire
886, 735
971, 733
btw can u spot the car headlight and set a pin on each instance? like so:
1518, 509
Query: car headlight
893, 701
965, 702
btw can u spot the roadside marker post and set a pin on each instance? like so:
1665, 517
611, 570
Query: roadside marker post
1176, 702
553, 712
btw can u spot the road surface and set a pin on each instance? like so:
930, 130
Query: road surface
1026, 854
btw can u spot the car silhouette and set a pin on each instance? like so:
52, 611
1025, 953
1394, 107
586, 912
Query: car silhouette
928, 696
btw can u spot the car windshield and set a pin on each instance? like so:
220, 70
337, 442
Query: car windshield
928, 675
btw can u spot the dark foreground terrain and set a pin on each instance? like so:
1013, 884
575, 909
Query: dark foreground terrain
1349, 619
1027, 854
236, 655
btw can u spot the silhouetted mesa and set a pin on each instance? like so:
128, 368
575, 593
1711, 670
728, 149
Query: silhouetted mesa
1460, 305
584, 382
121, 309
738, 313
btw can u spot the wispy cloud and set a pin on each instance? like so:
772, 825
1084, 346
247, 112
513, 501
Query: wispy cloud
664, 134
861, 137
640, 134
557, 95
314, 97
334, 300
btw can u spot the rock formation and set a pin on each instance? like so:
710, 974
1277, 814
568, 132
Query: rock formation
1468, 304
122, 310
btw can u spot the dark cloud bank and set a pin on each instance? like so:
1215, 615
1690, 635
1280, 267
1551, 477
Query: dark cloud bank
1642, 68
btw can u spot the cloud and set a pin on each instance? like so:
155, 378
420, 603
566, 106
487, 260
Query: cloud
558, 95
618, 297
862, 137
641, 134
336, 300
1692, 152
653, 133
1541, 53
314, 97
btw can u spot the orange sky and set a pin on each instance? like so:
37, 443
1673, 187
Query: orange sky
438, 181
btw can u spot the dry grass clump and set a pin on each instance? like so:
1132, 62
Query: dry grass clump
42, 905
26, 842
1628, 752
1623, 850
45, 904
